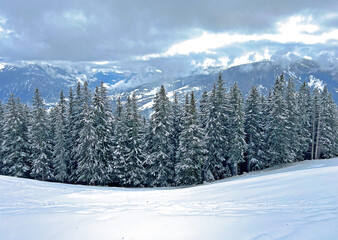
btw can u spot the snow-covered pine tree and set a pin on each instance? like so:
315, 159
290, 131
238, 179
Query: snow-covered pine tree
119, 146
224, 109
254, 133
214, 163
315, 121
160, 149
70, 138
204, 109
191, 150
52, 126
304, 106
177, 125
293, 130
134, 158
277, 135
2, 122
61, 154
15, 146
203, 119
328, 126
103, 128
89, 167
264, 120
39, 135
75, 108
237, 135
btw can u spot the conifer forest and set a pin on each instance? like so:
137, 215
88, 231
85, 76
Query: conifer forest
189, 141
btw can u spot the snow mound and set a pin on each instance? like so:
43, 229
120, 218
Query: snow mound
299, 201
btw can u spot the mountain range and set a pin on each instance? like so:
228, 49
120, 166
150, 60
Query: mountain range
21, 80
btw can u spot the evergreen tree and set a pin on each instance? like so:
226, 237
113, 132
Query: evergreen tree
134, 170
316, 113
102, 125
177, 125
61, 156
75, 124
191, 151
89, 166
2, 122
328, 126
15, 146
223, 110
52, 127
237, 135
304, 106
70, 137
254, 133
119, 146
204, 109
277, 136
215, 161
160, 151
41, 149
293, 131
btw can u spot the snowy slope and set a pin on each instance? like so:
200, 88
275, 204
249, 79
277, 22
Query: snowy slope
299, 201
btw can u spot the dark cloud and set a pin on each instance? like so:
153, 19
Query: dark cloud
119, 30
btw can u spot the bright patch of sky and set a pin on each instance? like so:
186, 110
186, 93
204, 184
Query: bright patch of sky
296, 29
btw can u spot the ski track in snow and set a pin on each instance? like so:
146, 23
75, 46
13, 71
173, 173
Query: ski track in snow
299, 201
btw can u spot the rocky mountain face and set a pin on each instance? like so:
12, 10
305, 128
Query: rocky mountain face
22, 80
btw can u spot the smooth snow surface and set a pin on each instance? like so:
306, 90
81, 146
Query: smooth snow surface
299, 201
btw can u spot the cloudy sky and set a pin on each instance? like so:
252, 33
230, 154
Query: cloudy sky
167, 34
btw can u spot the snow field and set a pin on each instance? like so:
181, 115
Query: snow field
299, 201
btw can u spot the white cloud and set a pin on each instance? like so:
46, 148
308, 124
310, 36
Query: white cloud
4, 31
75, 17
224, 61
252, 57
296, 29
316, 83
2, 66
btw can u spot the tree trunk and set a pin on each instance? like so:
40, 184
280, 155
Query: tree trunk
317, 140
313, 134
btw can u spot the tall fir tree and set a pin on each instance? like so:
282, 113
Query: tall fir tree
2, 122
191, 152
61, 156
134, 170
160, 150
237, 135
315, 121
223, 109
277, 136
328, 126
215, 161
119, 146
16, 146
103, 128
177, 125
41, 148
304, 106
254, 131
71, 120
204, 109
89, 167
293, 124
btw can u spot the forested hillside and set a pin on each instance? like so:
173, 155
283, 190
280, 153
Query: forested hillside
83, 140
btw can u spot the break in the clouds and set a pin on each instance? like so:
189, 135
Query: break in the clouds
175, 33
